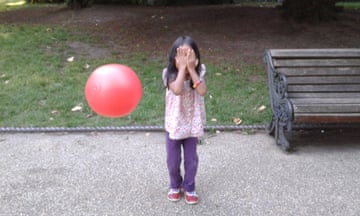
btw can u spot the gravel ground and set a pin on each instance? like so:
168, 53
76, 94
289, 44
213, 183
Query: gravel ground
125, 174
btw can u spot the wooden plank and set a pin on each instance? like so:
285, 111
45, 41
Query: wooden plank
336, 118
320, 71
316, 62
317, 95
327, 101
318, 80
277, 53
324, 88
326, 108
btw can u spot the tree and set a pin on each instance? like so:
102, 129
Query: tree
310, 10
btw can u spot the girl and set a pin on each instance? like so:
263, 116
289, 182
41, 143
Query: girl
184, 115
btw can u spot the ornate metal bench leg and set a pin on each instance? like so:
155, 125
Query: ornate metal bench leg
271, 127
281, 138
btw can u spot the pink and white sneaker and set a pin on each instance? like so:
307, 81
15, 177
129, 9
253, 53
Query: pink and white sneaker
174, 195
191, 198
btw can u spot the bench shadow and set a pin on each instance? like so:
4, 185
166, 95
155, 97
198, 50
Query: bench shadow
329, 140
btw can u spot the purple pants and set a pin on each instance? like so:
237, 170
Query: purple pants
191, 160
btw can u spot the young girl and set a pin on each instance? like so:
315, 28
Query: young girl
184, 115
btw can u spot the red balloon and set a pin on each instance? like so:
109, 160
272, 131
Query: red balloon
113, 90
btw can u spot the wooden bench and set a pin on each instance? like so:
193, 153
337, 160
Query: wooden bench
312, 86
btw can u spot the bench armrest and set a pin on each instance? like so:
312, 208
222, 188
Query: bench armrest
280, 104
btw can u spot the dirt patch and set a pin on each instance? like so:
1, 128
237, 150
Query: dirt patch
226, 34
79, 49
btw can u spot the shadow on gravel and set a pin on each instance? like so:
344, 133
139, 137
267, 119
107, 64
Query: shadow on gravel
326, 140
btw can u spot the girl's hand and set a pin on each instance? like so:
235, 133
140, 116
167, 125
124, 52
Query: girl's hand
192, 61
180, 59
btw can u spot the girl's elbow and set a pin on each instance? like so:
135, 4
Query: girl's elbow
203, 92
177, 92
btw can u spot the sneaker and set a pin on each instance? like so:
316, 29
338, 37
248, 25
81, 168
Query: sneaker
174, 195
191, 198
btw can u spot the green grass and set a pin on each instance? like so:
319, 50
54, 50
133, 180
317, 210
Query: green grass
39, 87
349, 5
237, 93
6, 5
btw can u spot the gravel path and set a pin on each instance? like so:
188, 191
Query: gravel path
125, 174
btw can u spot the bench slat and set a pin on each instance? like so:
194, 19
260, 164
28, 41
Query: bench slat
325, 71
327, 101
316, 62
334, 118
324, 88
299, 53
339, 80
317, 95
326, 108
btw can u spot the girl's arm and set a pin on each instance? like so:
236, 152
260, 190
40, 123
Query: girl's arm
201, 88
177, 85
192, 62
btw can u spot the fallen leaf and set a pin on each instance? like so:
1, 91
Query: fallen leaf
237, 121
213, 119
147, 134
77, 108
261, 108
218, 74
86, 66
54, 112
70, 59
7, 81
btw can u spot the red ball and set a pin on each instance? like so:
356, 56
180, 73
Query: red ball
113, 90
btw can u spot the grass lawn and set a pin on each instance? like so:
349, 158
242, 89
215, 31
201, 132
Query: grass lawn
11, 4
40, 85
349, 5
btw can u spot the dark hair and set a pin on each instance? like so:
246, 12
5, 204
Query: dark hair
172, 71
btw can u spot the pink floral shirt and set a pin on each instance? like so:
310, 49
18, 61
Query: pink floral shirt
185, 114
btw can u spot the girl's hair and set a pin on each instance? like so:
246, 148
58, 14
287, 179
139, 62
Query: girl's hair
172, 71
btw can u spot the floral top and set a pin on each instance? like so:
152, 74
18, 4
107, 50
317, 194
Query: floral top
184, 114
